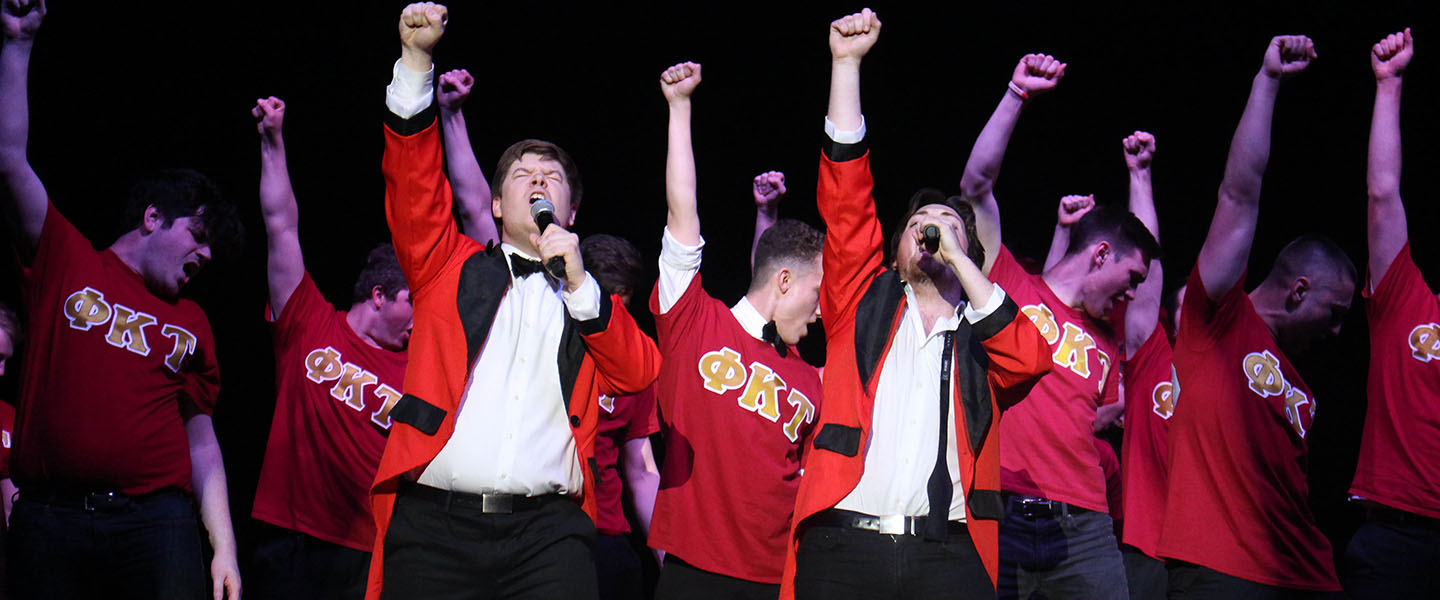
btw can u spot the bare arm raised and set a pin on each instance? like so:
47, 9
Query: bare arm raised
20, 20
767, 189
677, 83
1232, 231
1034, 74
1143, 312
851, 38
467, 181
285, 265
1388, 231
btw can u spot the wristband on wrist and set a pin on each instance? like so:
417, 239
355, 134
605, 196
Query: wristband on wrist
1019, 92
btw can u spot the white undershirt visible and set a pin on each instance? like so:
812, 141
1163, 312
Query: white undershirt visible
678, 265
512, 431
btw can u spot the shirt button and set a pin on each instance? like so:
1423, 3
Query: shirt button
574, 421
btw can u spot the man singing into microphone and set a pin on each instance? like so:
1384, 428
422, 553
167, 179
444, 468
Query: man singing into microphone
488, 478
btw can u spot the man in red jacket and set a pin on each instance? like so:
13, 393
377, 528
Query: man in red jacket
875, 515
487, 481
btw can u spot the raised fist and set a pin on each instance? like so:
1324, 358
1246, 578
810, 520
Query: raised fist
1288, 55
768, 188
1037, 73
269, 115
1139, 150
1391, 55
679, 81
421, 25
1072, 208
21, 18
851, 37
454, 88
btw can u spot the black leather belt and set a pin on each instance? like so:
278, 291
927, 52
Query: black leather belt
1374, 511
89, 501
488, 503
1032, 507
887, 525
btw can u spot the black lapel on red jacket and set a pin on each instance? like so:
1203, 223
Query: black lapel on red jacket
573, 348
483, 280
874, 321
972, 381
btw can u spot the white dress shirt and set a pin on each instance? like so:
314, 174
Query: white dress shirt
512, 427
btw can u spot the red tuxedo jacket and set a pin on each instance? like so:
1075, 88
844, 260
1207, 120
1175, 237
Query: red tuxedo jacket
456, 286
996, 362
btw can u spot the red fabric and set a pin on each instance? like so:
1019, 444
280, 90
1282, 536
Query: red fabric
109, 371
619, 359
624, 418
333, 395
1149, 404
1045, 442
1238, 499
7, 432
1110, 466
1400, 450
1017, 354
736, 417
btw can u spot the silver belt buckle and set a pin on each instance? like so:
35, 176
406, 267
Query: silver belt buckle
891, 524
491, 503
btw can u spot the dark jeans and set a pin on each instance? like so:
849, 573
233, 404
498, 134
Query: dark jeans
680, 580
1194, 582
618, 568
292, 565
1072, 554
1392, 560
1146, 577
437, 552
148, 549
835, 562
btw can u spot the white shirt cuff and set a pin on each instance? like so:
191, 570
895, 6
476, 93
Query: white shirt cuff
678, 265
583, 304
845, 137
409, 91
975, 315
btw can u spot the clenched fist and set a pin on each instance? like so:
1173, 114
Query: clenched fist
679, 82
421, 25
768, 188
1072, 208
20, 19
1287, 55
269, 115
1139, 150
454, 88
1391, 55
1037, 73
852, 36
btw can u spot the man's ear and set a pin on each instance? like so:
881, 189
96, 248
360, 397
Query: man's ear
1298, 290
495, 207
1103, 253
151, 221
377, 297
574, 214
784, 279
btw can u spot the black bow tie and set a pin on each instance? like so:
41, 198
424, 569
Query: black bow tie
771, 334
523, 267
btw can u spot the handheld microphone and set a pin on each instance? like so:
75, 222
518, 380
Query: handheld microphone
930, 238
544, 214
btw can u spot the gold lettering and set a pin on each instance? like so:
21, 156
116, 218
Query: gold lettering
350, 389
1425, 342
323, 364
722, 370
388, 396
804, 412
607, 403
1044, 320
86, 308
1074, 351
184, 346
1104, 368
1164, 398
1295, 401
762, 396
127, 330
1263, 370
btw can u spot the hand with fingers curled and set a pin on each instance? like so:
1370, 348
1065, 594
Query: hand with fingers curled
768, 188
554, 242
269, 116
20, 19
1073, 207
1139, 150
1037, 74
852, 36
1288, 55
453, 89
678, 82
421, 26
1390, 56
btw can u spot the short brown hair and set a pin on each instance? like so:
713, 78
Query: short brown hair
382, 268
786, 243
615, 264
543, 149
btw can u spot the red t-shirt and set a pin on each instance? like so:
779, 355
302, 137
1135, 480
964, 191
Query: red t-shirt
621, 420
1047, 446
1400, 451
736, 417
1238, 502
111, 372
1110, 466
7, 429
334, 392
1149, 404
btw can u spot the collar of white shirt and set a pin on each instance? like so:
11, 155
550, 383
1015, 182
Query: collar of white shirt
508, 250
949, 323
749, 318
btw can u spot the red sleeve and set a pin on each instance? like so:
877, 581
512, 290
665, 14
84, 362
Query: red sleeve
692, 306
643, 421
302, 312
202, 372
1019, 355
1203, 320
854, 248
417, 204
1398, 291
60, 243
626, 359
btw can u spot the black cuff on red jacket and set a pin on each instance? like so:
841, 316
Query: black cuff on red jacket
989, 326
597, 324
839, 152
412, 125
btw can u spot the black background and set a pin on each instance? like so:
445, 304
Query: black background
123, 88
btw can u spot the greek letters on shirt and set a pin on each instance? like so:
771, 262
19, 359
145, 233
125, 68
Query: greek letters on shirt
1073, 345
1266, 379
1165, 395
1425, 342
724, 370
323, 365
129, 329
